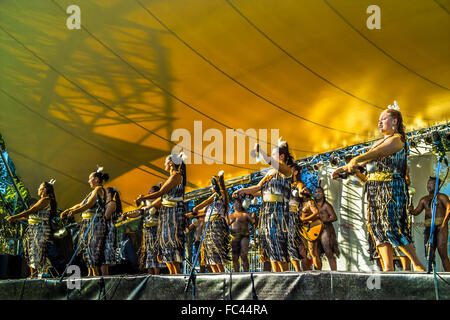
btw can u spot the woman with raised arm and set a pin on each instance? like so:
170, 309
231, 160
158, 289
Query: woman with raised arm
172, 219
386, 188
273, 222
92, 243
216, 242
38, 230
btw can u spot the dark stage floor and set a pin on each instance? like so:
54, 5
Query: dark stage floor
324, 285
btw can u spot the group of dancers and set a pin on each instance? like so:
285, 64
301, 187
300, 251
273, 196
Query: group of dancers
294, 225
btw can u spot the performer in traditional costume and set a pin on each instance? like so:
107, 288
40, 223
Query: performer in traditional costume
240, 221
216, 242
112, 212
172, 219
387, 190
442, 216
37, 233
273, 220
297, 247
92, 243
148, 257
328, 244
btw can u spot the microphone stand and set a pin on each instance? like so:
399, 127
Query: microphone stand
430, 249
192, 275
70, 261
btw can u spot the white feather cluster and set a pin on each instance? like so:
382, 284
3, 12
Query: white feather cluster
394, 106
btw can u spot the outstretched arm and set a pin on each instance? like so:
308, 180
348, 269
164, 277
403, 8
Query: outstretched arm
89, 204
390, 146
41, 204
419, 208
196, 210
170, 183
254, 190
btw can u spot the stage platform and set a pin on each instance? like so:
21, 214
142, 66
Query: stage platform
313, 285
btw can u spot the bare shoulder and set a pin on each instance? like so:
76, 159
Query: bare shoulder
43, 202
396, 141
424, 200
177, 177
443, 197
98, 189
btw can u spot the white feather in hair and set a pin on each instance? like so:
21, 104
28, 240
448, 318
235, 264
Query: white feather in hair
281, 142
394, 106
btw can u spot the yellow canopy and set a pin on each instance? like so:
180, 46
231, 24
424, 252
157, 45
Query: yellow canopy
113, 92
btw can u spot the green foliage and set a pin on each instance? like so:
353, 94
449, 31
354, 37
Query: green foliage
8, 232
10, 203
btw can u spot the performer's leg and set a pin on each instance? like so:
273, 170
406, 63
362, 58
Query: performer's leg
220, 268
304, 261
312, 246
406, 263
95, 272
442, 240
157, 270
150, 271
387, 256
31, 272
326, 244
170, 267
235, 251
275, 266
410, 252
244, 253
296, 265
284, 266
177, 267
